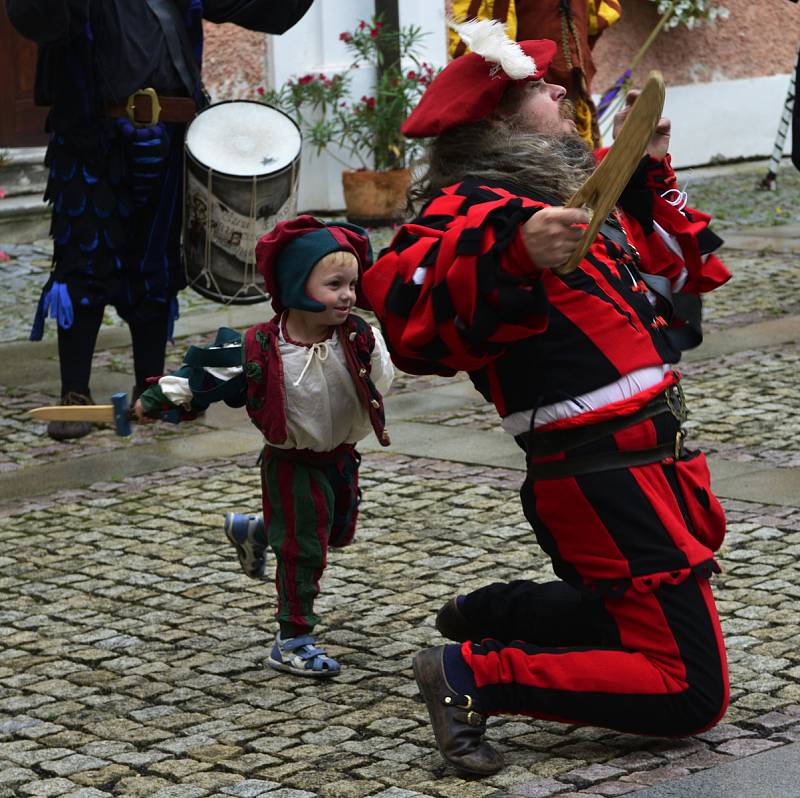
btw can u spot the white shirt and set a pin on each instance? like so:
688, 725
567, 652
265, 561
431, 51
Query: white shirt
323, 410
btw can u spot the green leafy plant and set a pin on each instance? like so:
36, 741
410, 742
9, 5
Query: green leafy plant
367, 129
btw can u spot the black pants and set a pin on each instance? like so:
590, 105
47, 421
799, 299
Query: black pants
651, 663
548, 613
76, 347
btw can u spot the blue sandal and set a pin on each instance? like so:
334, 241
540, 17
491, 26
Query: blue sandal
246, 533
302, 656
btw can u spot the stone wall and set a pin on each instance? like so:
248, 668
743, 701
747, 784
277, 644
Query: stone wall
758, 39
234, 61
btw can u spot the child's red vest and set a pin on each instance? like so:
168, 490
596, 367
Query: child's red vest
266, 393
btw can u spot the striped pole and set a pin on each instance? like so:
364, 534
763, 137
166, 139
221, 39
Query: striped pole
769, 181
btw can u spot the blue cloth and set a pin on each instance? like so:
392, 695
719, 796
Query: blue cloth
56, 303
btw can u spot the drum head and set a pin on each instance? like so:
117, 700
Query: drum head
243, 138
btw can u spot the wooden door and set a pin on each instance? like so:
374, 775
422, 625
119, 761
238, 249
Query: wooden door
21, 122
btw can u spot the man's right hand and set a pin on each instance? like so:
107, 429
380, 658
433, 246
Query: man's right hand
552, 234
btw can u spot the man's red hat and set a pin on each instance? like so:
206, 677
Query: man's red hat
470, 87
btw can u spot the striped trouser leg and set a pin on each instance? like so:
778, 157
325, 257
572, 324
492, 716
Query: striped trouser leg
667, 676
298, 508
343, 477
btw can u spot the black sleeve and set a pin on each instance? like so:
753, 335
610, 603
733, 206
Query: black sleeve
267, 16
43, 21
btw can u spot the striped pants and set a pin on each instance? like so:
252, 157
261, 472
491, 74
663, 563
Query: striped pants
643, 652
310, 502
644, 663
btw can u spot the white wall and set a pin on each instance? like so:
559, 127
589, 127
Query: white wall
313, 45
726, 120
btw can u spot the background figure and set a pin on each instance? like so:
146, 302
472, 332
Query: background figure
115, 177
574, 25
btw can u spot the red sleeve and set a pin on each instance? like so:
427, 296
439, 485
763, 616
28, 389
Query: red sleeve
645, 205
456, 286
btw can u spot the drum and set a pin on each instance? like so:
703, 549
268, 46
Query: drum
241, 167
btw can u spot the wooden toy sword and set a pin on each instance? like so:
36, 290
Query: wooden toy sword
117, 413
602, 190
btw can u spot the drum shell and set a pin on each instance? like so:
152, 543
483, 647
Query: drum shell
220, 256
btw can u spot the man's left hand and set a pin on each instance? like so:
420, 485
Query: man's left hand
659, 144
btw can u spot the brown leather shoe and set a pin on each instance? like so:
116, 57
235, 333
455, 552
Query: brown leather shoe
452, 624
67, 430
457, 727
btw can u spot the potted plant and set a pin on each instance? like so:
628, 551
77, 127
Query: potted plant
366, 130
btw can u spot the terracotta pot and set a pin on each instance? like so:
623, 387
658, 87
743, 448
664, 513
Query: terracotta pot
374, 198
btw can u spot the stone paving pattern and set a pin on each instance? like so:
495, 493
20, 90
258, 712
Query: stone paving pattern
131, 648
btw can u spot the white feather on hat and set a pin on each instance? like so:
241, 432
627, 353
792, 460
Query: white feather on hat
488, 38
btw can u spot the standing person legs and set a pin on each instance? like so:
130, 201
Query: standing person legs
149, 340
75, 352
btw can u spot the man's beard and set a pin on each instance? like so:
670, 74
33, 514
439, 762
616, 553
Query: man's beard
505, 151
555, 164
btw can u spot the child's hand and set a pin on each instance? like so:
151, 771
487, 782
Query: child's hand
141, 416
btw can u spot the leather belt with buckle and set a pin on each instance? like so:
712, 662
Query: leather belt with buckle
146, 108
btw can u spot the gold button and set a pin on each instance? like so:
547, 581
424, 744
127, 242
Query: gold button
352, 336
375, 403
362, 372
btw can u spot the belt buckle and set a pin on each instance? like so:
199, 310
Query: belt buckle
676, 402
155, 107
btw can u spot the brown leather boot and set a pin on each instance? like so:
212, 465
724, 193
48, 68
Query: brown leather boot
66, 430
457, 727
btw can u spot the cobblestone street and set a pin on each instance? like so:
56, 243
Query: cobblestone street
132, 648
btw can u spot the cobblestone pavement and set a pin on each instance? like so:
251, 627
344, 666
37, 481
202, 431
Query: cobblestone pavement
131, 648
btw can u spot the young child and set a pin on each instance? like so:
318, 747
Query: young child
311, 380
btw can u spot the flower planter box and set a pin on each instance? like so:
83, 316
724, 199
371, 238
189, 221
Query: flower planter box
375, 198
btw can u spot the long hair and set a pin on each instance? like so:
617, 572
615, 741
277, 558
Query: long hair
503, 150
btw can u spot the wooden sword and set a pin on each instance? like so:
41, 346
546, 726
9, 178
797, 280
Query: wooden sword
118, 413
602, 190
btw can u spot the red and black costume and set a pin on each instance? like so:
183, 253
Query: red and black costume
630, 638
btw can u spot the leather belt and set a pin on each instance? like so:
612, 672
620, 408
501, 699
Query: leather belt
670, 402
541, 444
146, 108
607, 461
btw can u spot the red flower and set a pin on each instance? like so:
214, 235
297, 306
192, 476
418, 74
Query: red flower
260, 91
412, 75
362, 25
345, 37
370, 103
305, 80
374, 33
